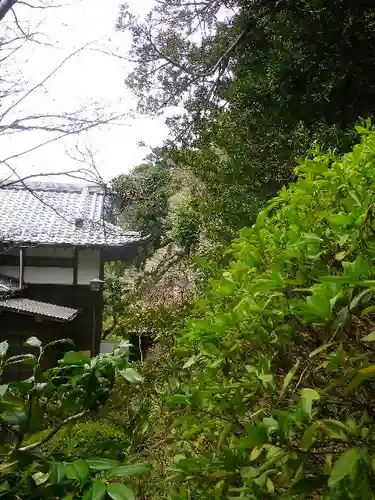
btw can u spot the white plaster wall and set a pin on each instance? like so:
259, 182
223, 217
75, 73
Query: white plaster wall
43, 275
107, 347
88, 265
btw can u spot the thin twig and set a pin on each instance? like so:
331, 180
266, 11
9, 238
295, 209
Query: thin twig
58, 427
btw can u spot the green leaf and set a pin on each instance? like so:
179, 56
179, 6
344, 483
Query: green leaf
79, 469
357, 380
33, 342
340, 219
369, 338
288, 378
307, 397
368, 310
358, 298
97, 491
190, 361
74, 358
270, 423
129, 471
57, 472
367, 370
61, 341
336, 427
120, 492
99, 463
308, 484
40, 478
3, 389
4, 486
4, 346
270, 485
19, 359
255, 435
30, 361
13, 417
310, 394
308, 437
223, 435
311, 237
344, 465
179, 399
255, 452
319, 350
131, 376
7, 465
340, 255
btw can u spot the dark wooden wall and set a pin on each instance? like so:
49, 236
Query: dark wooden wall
16, 327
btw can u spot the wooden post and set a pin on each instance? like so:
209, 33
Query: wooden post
75, 266
22, 267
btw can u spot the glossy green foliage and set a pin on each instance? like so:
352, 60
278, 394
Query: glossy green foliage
276, 394
37, 411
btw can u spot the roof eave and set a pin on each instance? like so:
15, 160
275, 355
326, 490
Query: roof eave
14, 243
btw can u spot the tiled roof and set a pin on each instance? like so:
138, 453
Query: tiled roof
57, 214
27, 306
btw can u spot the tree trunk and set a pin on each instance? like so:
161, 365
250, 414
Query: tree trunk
5, 7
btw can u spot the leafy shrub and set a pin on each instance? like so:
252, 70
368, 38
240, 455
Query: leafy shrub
275, 398
73, 390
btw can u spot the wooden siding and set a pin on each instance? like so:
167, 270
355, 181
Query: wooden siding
16, 328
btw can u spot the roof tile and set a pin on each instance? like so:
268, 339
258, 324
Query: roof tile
57, 214
44, 309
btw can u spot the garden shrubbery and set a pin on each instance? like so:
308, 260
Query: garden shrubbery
46, 451
276, 392
268, 391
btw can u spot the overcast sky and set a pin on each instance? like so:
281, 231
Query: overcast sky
88, 77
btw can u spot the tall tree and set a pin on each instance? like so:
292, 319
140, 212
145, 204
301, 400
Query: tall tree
260, 82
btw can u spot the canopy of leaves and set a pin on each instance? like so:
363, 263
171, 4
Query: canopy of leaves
143, 196
260, 83
276, 391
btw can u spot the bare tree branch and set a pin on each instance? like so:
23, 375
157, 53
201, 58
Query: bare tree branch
54, 431
6, 183
42, 82
18, 25
65, 134
21, 2
7, 5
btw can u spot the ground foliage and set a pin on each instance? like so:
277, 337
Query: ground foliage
275, 396
33, 413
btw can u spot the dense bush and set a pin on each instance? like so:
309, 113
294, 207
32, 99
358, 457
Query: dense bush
30, 466
276, 396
